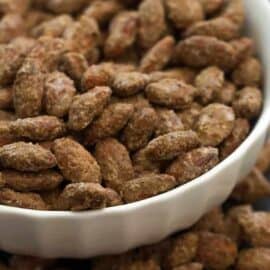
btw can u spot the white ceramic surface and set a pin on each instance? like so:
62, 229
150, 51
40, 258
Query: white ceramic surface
117, 229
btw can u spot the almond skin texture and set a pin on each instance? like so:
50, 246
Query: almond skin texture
248, 73
216, 251
115, 163
75, 162
84, 196
170, 93
74, 65
54, 27
256, 228
122, 33
102, 74
26, 157
139, 129
168, 121
208, 83
129, 83
254, 258
29, 83
226, 94
59, 92
221, 28
239, 133
215, 124
193, 164
11, 59
182, 251
183, 13
185, 74
83, 36
170, 145
252, 188
152, 22
25, 182
110, 122
248, 102
158, 56
86, 107
202, 51
40, 128
147, 186
22, 200
102, 11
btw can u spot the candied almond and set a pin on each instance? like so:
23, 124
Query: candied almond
172, 144
147, 186
203, 51
109, 123
216, 251
40, 128
115, 163
181, 73
129, 83
59, 91
168, 121
139, 128
215, 124
253, 187
213, 221
248, 102
122, 33
102, 11
158, 56
253, 258
220, 27
21, 200
248, 73
152, 22
26, 157
74, 65
83, 35
83, 196
25, 182
183, 13
75, 162
239, 133
192, 164
54, 27
171, 93
183, 250
226, 94
87, 106
208, 83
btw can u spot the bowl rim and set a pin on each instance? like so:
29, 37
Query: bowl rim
259, 128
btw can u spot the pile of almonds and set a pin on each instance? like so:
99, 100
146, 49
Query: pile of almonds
110, 102
233, 236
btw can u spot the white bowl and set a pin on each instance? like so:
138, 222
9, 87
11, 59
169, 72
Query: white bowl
118, 229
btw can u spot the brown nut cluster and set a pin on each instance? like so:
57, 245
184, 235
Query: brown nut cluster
230, 237
233, 236
110, 102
